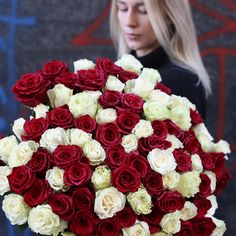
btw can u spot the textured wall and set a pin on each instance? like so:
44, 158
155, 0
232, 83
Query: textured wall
33, 32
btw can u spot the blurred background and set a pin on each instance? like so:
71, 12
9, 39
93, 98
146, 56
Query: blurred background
33, 32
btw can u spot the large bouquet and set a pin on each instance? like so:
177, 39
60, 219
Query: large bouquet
107, 151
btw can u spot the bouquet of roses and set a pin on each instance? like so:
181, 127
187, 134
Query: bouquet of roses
109, 150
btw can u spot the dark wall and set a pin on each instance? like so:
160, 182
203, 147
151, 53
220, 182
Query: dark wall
35, 31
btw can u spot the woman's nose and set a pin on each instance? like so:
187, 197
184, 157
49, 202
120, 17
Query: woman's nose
131, 19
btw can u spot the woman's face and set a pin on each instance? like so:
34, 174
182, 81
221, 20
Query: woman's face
136, 27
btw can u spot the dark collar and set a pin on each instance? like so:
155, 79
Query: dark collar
156, 59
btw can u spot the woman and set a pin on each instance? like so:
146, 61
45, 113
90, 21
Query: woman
161, 34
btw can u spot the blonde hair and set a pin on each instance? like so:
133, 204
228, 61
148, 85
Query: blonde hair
173, 26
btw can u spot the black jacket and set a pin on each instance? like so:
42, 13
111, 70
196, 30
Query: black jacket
181, 81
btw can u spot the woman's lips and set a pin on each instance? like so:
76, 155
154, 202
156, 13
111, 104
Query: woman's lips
132, 36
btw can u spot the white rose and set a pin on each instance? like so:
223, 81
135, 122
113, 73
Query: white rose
59, 95
4, 184
222, 146
201, 129
140, 228
95, 152
151, 74
15, 208
162, 233
129, 85
161, 161
212, 177
113, 83
51, 138
41, 110
189, 184
214, 205
129, 142
140, 201
101, 177
170, 179
175, 142
160, 97
21, 154
106, 116
196, 163
82, 104
204, 137
220, 227
43, 221
93, 95
67, 234
189, 211
6, 146
18, 127
108, 201
83, 64
142, 87
143, 129
170, 222
180, 115
55, 178
78, 137
153, 110
130, 63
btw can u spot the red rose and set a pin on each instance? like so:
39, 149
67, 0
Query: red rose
195, 117
108, 134
153, 219
38, 193
65, 155
186, 229
205, 186
183, 160
125, 75
126, 217
82, 223
145, 145
62, 205
40, 161
153, 183
132, 102
116, 156
170, 201
126, 120
107, 66
60, 117
108, 227
53, 69
21, 179
68, 79
203, 226
34, 128
190, 142
83, 199
86, 123
110, 99
31, 89
126, 179
163, 88
203, 205
139, 163
91, 79
208, 160
222, 180
173, 128
219, 159
160, 129
77, 174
